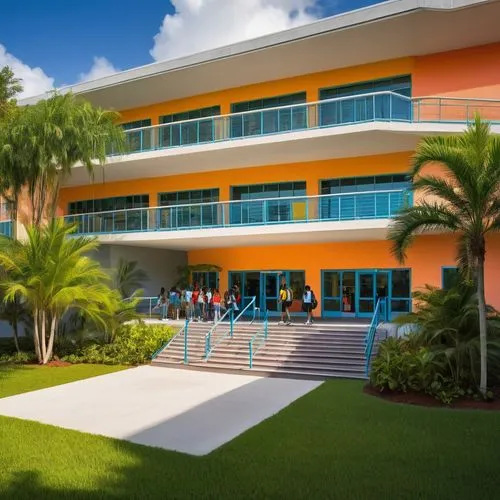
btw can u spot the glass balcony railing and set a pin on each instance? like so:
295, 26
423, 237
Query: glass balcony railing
331, 207
342, 111
6, 228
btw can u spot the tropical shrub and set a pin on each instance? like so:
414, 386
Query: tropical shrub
133, 344
442, 357
448, 324
18, 357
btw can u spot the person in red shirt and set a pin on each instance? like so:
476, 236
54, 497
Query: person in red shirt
216, 299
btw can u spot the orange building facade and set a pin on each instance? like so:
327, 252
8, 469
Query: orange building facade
290, 178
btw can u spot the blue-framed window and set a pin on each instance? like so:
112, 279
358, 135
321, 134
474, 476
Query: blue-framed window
263, 122
381, 107
189, 216
450, 277
108, 204
114, 219
369, 205
141, 139
206, 278
253, 211
188, 133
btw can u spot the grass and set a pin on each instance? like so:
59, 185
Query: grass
336, 442
16, 379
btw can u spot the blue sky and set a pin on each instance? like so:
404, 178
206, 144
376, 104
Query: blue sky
63, 38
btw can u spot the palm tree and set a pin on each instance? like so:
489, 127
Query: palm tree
40, 145
52, 273
467, 204
128, 278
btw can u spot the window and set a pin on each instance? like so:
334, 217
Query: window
108, 204
209, 279
188, 133
195, 214
269, 122
369, 108
111, 214
139, 140
365, 202
253, 211
450, 277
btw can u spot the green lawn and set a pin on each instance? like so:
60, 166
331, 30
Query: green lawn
335, 442
15, 379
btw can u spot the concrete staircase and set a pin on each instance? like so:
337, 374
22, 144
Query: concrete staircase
317, 351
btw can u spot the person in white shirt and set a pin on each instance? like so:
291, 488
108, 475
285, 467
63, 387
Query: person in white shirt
307, 303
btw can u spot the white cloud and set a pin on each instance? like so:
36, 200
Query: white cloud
34, 80
199, 25
101, 67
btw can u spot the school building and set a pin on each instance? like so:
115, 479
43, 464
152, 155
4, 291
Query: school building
287, 156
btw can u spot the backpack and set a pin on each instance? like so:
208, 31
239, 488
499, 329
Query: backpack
289, 296
314, 302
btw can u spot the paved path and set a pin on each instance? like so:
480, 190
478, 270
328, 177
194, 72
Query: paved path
189, 411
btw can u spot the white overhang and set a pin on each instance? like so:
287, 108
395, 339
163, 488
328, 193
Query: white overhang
392, 29
276, 234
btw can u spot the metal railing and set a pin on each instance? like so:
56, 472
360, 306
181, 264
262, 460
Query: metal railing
251, 303
145, 305
385, 106
182, 331
379, 314
269, 211
257, 341
6, 228
211, 340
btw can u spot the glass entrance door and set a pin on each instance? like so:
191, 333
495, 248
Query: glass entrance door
372, 285
270, 285
366, 296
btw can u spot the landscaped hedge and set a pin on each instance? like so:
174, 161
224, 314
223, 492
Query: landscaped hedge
134, 344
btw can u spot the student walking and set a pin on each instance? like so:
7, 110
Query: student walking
286, 301
309, 303
163, 304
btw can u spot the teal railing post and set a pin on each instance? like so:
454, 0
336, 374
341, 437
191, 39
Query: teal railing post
207, 345
231, 321
250, 354
186, 325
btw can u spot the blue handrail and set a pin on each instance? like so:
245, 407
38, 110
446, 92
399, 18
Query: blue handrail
252, 302
380, 312
183, 330
209, 344
252, 351
209, 347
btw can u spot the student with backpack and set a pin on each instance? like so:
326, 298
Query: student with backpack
286, 299
309, 302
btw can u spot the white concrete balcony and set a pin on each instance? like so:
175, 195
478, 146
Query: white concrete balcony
368, 124
333, 217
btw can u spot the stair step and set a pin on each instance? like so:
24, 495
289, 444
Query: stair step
291, 373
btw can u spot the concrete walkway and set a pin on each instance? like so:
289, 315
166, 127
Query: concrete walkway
187, 411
